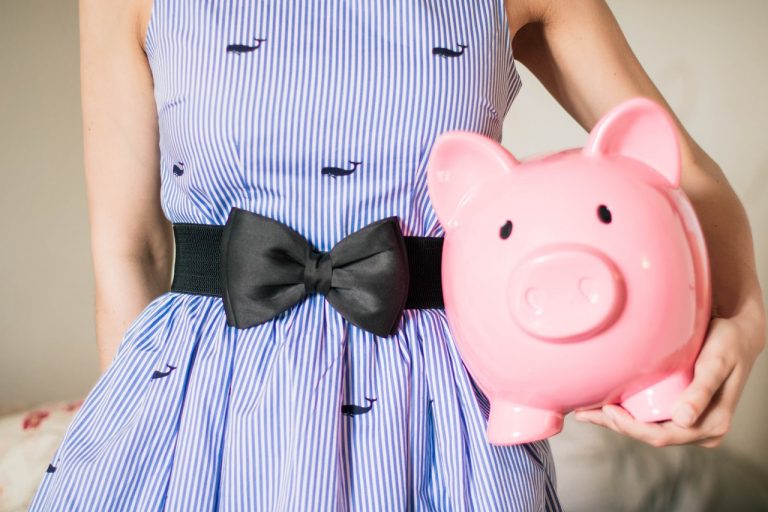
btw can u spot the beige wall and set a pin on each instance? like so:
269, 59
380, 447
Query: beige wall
47, 341
708, 60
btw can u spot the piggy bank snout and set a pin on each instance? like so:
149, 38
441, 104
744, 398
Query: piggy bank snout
565, 293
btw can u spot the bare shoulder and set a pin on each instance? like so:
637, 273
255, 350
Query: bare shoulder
115, 22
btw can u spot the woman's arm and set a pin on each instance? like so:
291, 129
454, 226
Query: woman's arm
131, 241
578, 52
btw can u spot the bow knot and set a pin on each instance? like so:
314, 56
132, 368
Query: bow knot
318, 271
267, 267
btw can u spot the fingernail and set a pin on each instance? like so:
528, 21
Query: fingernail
580, 416
683, 416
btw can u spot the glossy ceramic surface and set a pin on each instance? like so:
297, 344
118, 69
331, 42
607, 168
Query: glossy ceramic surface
575, 279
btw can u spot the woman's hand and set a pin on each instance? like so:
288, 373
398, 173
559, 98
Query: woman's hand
704, 410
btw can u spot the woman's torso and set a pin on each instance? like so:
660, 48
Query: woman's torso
323, 126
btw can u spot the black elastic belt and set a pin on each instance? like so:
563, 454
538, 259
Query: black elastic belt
197, 265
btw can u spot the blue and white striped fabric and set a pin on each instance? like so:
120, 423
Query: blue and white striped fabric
320, 115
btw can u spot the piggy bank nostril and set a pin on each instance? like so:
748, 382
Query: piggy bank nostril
535, 299
588, 289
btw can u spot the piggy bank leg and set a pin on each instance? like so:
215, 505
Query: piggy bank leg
655, 402
510, 423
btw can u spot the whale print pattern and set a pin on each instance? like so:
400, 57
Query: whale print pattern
351, 409
320, 115
157, 374
244, 48
338, 171
447, 52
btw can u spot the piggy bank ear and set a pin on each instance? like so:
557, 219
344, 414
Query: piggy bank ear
459, 162
641, 129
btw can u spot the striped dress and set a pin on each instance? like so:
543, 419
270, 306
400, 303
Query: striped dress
320, 115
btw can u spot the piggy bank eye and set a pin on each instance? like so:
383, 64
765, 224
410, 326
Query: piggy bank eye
506, 230
604, 214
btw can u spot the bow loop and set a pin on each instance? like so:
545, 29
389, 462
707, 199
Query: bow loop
267, 267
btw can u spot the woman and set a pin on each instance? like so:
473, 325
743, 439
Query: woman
321, 116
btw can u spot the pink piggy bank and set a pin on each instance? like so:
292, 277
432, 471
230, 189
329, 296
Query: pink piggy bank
576, 279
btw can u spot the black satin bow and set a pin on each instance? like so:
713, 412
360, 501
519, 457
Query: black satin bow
267, 267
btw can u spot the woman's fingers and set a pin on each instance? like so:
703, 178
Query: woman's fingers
707, 431
720, 374
596, 416
655, 434
713, 366
710, 442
